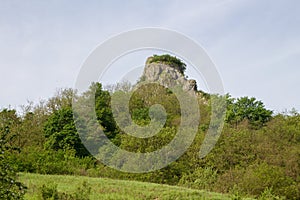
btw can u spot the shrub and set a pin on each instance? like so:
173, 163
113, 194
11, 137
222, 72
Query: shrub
201, 178
83, 192
268, 194
9, 187
235, 193
259, 177
41, 161
50, 192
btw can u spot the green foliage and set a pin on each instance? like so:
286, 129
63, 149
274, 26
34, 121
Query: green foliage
10, 188
31, 129
267, 194
42, 161
246, 108
257, 154
148, 95
201, 178
83, 192
61, 133
61, 99
235, 193
11, 122
172, 61
163, 137
108, 189
103, 110
49, 192
259, 177
95, 99
254, 160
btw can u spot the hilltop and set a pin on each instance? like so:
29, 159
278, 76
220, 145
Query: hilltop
167, 71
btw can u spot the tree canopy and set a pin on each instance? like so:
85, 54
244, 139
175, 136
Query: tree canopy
61, 133
247, 108
10, 188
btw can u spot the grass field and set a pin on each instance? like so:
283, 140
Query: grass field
103, 188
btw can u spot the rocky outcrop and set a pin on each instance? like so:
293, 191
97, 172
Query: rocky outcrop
167, 76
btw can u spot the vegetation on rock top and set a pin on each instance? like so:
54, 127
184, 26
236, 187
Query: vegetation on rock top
167, 59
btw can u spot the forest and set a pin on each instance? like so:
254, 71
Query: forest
257, 154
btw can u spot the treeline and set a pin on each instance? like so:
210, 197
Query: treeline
257, 154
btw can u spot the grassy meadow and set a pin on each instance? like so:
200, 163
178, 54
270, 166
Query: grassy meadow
103, 188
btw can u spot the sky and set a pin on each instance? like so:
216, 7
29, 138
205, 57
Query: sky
254, 44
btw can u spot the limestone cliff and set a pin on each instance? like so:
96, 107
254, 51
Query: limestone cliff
167, 76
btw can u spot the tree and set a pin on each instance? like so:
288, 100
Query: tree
247, 108
9, 187
103, 110
62, 98
9, 118
31, 130
61, 133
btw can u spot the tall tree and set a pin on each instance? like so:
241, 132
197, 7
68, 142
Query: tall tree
10, 188
61, 133
247, 108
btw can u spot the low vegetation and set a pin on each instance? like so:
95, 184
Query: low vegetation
81, 188
10, 188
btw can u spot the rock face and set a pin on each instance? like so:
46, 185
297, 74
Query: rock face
167, 76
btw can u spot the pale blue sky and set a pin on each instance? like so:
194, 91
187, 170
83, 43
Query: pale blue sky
255, 44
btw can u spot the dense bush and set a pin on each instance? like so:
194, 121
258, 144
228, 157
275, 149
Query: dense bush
41, 161
49, 192
261, 176
10, 188
201, 178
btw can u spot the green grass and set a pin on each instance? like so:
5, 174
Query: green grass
103, 188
